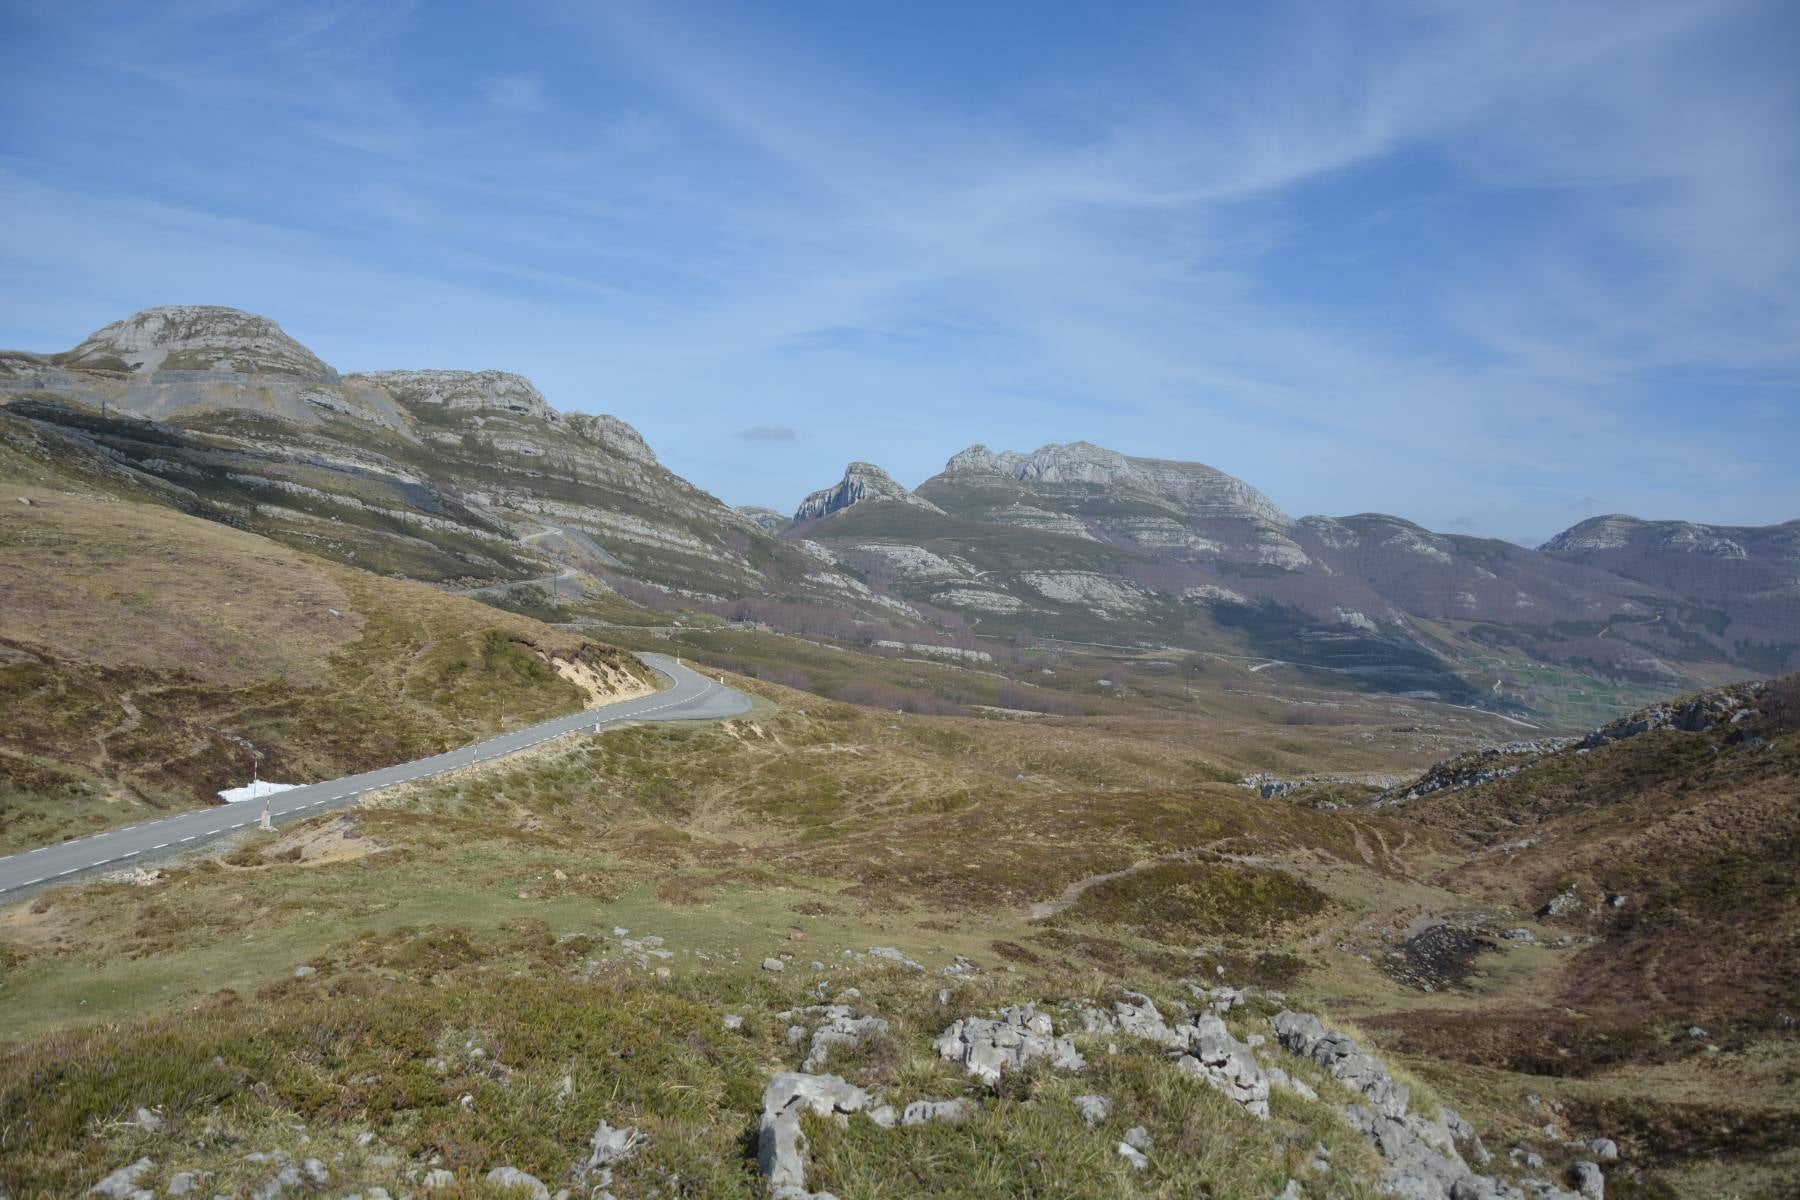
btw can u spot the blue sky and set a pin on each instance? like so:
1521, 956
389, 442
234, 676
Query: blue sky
1492, 267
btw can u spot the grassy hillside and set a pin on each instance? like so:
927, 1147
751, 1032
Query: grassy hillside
149, 658
1064, 857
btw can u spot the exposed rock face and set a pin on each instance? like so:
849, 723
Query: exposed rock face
463, 391
1344, 1060
862, 482
196, 337
1183, 510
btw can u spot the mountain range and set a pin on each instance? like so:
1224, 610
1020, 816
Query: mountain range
471, 480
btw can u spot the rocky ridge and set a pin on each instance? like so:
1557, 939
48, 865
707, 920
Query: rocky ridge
862, 483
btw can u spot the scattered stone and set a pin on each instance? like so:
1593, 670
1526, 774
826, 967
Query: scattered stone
122, 1184
991, 1047
1604, 1149
514, 1179
436, 1178
284, 1179
147, 1120
1137, 1137
1695, 1032
302, 971
733, 1021
1588, 1180
1133, 1156
609, 1146
1093, 1109
884, 1116
316, 1172
1291, 1191
185, 1182
841, 1028
773, 964
1518, 935
893, 955
921, 1111
1529, 1159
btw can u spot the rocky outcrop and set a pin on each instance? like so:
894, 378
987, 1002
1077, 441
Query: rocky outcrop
463, 391
862, 483
195, 337
1422, 1158
989, 1048
1695, 714
780, 1142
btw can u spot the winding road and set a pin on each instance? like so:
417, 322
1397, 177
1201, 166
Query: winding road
692, 697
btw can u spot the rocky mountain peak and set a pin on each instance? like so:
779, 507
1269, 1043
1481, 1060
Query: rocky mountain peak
1616, 531
862, 481
1194, 488
196, 337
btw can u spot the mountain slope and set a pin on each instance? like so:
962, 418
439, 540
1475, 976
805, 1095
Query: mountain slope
149, 659
1742, 582
456, 477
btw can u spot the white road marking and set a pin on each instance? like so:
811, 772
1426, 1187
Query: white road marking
159, 846
190, 837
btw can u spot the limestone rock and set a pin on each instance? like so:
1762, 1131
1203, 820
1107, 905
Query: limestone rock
1225, 1063
989, 1048
122, 1184
513, 1179
1093, 1108
780, 1142
1343, 1059
921, 1111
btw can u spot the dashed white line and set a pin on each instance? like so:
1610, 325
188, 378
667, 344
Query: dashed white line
159, 846
190, 837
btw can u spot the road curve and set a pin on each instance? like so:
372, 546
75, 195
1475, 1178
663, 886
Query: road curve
693, 697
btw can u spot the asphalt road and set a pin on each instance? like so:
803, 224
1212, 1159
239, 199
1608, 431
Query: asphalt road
694, 697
